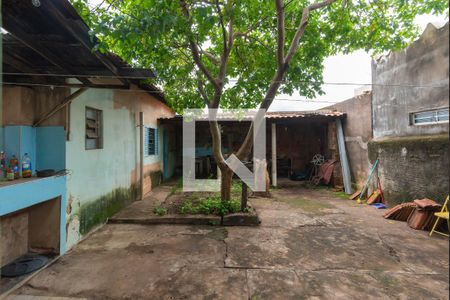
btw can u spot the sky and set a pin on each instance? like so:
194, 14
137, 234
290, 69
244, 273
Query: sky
352, 68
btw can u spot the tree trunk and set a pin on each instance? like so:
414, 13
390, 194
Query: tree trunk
226, 181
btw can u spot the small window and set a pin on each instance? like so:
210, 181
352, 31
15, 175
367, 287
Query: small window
151, 141
430, 117
93, 129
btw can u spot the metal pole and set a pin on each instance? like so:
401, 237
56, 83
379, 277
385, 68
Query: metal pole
343, 157
141, 155
274, 154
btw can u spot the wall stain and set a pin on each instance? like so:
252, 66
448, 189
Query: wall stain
98, 211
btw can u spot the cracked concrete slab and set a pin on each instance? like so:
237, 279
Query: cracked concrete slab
287, 219
310, 245
341, 285
203, 283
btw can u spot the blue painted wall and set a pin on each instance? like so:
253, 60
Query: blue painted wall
50, 148
19, 140
46, 146
22, 195
1, 134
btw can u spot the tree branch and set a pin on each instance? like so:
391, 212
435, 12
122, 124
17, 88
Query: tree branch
201, 90
255, 39
302, 26
277, 79
281, 32
223, 67
211, 57
318, 5
222, 24
194, 48
217, 144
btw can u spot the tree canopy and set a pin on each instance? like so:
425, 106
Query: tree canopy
157, 34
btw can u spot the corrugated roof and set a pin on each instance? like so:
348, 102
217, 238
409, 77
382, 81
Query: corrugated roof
52, 39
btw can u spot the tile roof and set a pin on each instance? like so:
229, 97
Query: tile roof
283, 114
302, 114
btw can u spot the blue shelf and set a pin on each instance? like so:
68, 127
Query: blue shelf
26, 193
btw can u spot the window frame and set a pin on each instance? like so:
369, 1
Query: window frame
99, 128
147, 141
435, 116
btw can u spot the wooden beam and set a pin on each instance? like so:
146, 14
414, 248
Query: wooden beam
141, 155
88, 72
14, 29
79, 33
67, 85
16, 63
60, 106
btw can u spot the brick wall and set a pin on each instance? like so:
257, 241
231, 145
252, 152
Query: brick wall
412, 167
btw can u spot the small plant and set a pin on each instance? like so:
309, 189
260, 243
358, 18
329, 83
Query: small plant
236, 187
210, 206
159, 210
177, 187
188, 208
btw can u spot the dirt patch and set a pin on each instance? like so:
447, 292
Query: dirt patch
141, 249
173, 204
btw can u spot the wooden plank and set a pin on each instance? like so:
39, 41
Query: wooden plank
75, 28
42, 51
141, 154
355, 195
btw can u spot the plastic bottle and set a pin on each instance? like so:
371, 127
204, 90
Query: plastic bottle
26, 166
14, 165
2, 165
10, 174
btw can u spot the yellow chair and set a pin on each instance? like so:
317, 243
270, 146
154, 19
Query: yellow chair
443, 214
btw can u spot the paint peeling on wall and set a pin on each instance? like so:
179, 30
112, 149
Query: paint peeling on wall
105, 180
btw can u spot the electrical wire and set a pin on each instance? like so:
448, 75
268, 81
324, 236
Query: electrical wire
312, 101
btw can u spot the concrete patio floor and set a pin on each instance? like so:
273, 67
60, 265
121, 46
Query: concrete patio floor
310, 245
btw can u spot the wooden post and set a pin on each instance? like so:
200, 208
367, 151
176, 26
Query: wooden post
343, 157
244, 197
141, 155
274, 154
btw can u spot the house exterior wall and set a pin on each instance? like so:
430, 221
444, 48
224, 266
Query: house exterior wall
424, 63
24, 106
104, 180
413, 159
413, 167
18, 111
101, 181
358, 132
